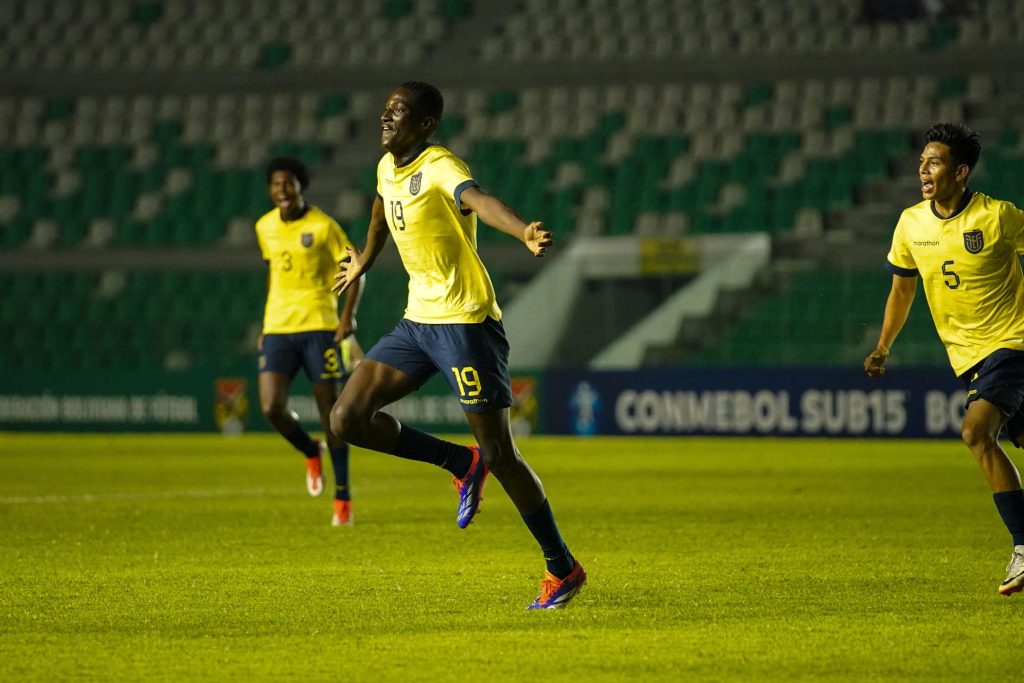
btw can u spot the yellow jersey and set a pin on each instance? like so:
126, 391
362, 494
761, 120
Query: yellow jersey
436, 238
303, 257
970, 272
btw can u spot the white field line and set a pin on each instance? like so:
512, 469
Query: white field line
155, 495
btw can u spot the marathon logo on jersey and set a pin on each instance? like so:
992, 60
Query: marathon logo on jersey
974, 241
307, 239
414, 183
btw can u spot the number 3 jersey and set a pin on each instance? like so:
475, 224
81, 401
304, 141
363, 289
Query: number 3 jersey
436, 238
970, 272
303, 256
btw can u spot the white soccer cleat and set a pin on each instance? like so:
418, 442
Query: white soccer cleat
314, 472
1014, 582
342, 513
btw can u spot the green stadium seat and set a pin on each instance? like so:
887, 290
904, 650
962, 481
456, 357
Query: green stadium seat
396, 9
757, 93
332, 105
59, 108
167, 131
152, 179
451, 125
943, 32
838, 116
273, 55
502, 100
147, 12
453, 10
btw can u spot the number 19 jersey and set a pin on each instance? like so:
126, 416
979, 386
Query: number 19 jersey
970, 272
436, 238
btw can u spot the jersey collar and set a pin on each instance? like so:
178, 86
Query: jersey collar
302, 214
964, 201
415, 155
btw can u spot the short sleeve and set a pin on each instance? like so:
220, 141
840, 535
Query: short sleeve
452, 177
1011, 222
262, 242
901, 259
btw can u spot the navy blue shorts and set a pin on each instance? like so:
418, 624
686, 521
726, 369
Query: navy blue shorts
315, 352
472, 357
999, 379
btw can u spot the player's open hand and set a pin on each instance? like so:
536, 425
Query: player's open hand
536, 238
350, 269
874, 364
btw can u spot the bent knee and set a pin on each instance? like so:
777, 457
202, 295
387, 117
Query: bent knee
347, 420
499, 456
274, 410
339, 419
977, 437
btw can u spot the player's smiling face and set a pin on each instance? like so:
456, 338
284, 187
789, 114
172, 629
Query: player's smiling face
286, 193
403, 126
940, 177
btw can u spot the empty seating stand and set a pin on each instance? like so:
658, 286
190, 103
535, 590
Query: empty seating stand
161, 167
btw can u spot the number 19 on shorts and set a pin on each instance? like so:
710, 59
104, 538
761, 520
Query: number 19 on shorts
468, 380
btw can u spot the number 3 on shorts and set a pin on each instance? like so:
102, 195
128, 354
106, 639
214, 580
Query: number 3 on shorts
468, 380
332, 367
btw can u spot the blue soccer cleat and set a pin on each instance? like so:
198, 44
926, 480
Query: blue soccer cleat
471, 489
555, 593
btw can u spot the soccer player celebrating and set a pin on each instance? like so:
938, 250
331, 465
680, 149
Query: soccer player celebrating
965, 246
429, 202
301, 325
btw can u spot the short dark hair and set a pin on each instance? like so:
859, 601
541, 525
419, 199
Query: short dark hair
293, 166
963, 142
427, 96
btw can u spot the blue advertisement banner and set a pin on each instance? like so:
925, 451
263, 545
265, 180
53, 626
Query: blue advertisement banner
918, 403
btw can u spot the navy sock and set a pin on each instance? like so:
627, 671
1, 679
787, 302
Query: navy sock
415, 445
339, 460
556, 554
1011, 508
302, 441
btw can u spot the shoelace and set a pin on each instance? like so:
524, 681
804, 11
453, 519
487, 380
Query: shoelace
459, 483
548, 586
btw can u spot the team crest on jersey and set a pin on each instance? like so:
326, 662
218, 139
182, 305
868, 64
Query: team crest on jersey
414, 182
307, 239
974, 241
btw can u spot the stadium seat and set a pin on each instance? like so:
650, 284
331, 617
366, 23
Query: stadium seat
182, 166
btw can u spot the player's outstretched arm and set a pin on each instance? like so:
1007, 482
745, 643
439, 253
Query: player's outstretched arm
897, 308
503, 217
355, 264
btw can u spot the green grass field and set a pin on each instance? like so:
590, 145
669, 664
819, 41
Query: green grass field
171, 558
